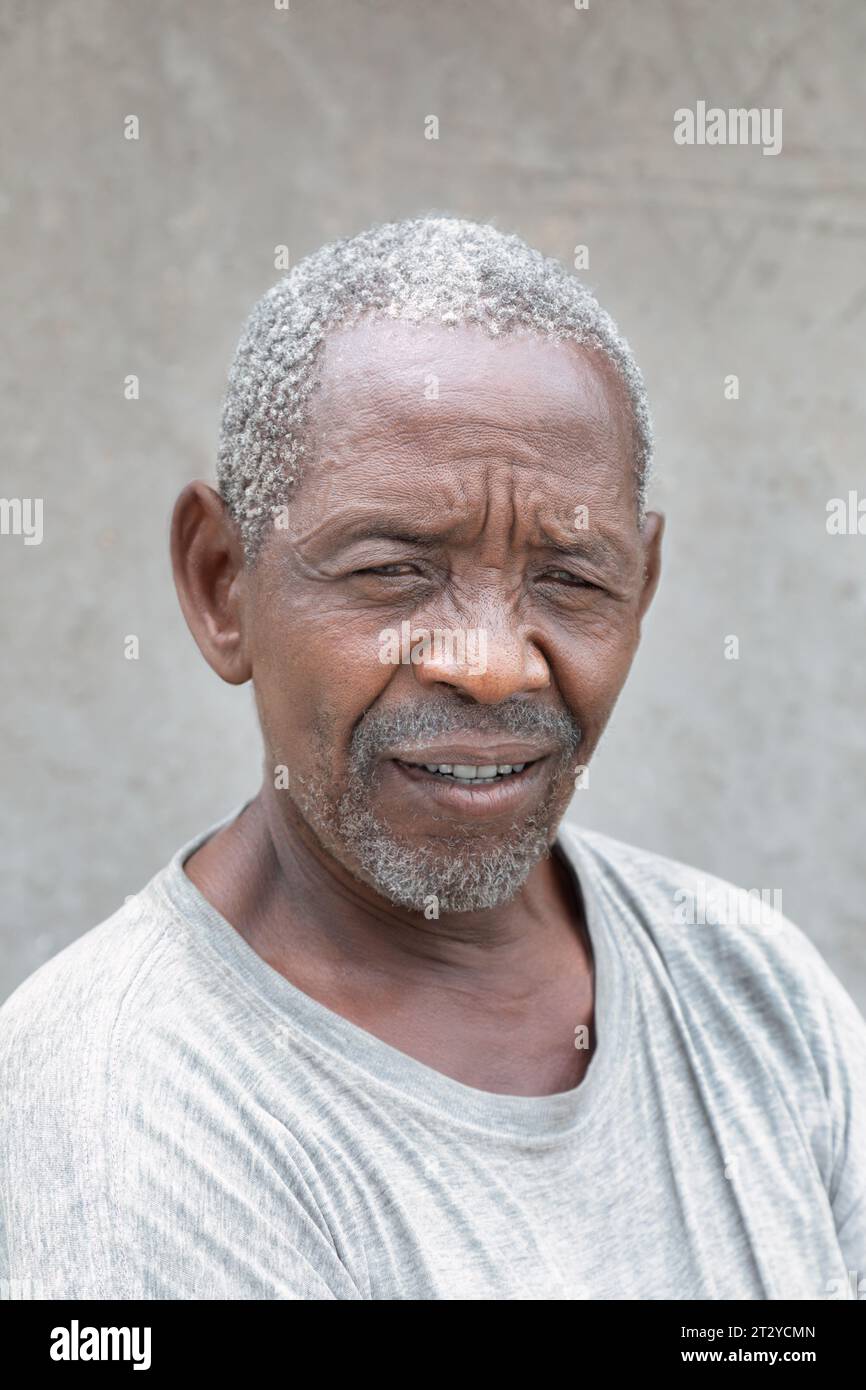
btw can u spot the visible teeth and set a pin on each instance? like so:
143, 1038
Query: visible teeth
474, 772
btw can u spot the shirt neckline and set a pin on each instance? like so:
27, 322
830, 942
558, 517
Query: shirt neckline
532, 1118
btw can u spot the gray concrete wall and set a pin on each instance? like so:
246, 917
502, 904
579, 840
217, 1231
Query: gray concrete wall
259, 128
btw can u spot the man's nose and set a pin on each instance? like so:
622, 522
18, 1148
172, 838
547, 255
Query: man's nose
488, 663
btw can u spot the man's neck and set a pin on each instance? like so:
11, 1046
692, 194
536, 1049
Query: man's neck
438, 989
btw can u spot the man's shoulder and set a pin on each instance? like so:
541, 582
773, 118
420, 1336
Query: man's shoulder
699, 921
73, 1003
135, 1141
671, 893
135, 962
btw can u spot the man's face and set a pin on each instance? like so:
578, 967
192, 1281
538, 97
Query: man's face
478, 494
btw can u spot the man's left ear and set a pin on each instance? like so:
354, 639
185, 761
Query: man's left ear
651, 538
208, 564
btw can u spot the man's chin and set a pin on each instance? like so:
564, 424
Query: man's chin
437, 877
470, 870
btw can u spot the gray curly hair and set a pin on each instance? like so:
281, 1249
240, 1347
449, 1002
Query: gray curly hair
426, 269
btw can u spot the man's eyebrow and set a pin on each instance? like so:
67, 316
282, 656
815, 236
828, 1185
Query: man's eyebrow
598, 549
382, 530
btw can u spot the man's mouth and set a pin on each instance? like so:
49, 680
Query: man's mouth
470, 774
480, 779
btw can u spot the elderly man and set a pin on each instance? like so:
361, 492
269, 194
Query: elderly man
392, 1030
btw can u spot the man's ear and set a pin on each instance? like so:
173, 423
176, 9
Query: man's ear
651, 538
207, 560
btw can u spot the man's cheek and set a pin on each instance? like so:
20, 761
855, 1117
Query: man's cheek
601, 673
286, 717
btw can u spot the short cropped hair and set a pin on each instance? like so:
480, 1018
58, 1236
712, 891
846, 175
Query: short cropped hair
430, 269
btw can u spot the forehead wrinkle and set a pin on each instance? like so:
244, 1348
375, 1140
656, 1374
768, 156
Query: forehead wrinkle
461, 469
415, 487
455, 475
413, 427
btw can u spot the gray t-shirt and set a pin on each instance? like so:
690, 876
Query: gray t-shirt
182, 1122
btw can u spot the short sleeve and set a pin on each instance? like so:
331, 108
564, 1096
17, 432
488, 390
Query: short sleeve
116, 1182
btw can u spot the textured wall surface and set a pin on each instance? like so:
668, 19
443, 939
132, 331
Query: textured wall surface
259, 128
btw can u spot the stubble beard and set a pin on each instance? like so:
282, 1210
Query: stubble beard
458, 871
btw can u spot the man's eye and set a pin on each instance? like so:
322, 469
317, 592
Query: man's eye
569, 578
389, 571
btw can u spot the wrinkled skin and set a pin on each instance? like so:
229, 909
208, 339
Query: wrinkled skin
446, 512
